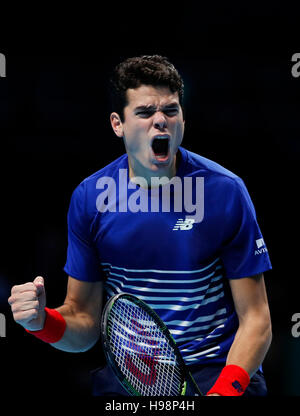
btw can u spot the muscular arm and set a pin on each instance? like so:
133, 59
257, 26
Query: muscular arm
254, 334
81, 311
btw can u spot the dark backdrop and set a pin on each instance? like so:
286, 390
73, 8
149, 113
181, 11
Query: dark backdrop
242, 110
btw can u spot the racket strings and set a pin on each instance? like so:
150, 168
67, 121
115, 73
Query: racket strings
142, 351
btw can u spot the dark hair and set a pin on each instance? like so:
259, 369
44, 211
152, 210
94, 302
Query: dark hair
153, 70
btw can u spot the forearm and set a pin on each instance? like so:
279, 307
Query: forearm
81, 332
251, 344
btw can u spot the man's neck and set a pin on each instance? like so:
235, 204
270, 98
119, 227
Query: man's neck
169, 172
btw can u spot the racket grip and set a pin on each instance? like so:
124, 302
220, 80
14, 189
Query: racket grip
192, 388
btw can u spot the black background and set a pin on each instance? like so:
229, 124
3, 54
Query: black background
242, 110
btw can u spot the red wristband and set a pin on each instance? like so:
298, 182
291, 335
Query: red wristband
232, 381
54, 327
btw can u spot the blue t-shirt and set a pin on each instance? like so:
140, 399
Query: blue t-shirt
138, 243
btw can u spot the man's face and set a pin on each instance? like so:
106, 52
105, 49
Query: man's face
152, 130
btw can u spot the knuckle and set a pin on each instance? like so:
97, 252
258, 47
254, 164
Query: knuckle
10, 300
23, 288
30, 287
14, 289
13, 309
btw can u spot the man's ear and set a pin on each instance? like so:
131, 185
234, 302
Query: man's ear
116, 124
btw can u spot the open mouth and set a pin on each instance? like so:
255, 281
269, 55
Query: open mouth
160, 147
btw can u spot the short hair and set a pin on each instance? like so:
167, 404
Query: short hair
153, 70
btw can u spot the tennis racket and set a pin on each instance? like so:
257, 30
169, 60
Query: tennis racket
141, 351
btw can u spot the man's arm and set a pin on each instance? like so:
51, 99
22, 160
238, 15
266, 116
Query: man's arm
81, 311
254, 335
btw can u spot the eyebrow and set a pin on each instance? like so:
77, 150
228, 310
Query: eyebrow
153, 107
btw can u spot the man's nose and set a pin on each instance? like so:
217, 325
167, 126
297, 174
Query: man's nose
159, 120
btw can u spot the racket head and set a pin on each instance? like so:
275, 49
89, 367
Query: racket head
140, 349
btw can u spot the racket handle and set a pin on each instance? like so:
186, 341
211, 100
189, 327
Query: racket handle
192, 388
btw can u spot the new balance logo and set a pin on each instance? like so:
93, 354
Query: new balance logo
184, 225
260, 244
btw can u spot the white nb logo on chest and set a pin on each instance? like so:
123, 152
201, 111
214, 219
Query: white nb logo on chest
184, 224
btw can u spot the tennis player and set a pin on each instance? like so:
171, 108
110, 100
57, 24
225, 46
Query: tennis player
202, 274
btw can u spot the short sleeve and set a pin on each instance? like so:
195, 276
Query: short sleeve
244, 252
82, 260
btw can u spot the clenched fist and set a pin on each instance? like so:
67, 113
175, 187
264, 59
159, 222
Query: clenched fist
28, 303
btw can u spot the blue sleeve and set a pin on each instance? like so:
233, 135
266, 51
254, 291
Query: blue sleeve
243, 252
82, 257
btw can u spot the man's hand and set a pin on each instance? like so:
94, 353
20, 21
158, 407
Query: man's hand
28, 303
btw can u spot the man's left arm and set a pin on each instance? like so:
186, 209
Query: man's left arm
254, 335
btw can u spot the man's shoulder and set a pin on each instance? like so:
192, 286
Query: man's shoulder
86, 190
110, 170
202, 165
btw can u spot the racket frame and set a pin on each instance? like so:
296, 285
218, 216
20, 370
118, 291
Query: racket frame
189, 386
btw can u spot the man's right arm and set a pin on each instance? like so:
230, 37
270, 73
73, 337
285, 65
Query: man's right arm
81, 310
